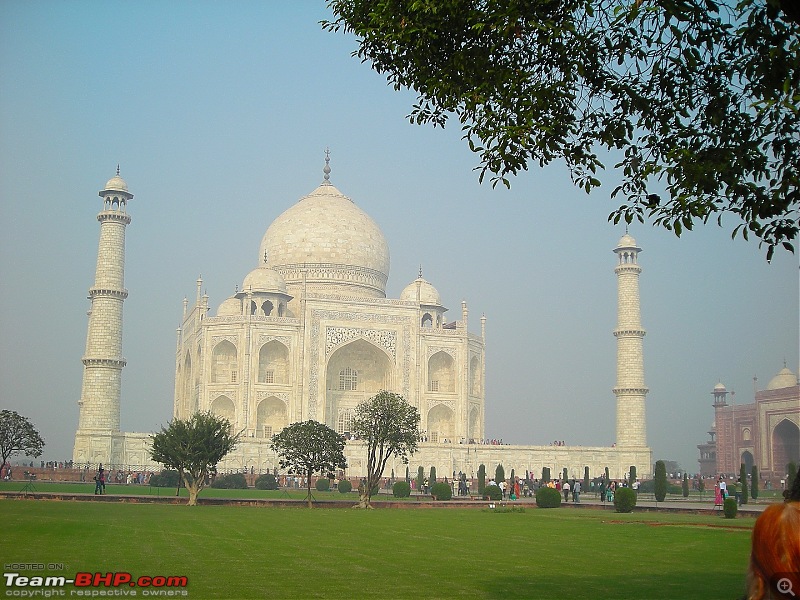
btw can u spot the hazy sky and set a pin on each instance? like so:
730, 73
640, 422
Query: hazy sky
219, 113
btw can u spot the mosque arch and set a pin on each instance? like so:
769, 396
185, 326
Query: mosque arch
354, 372
748, 461
273, 363
747, 434
785, 444
441, 423
271, 417
441, 373
224, 367
475, 376
222, 406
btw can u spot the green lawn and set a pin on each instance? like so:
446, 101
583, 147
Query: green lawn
248, 552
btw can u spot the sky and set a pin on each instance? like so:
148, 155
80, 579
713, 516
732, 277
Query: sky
219, 113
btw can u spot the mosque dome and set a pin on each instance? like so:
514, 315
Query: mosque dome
785, 378
719, 387
329, 243
428, 295
264, 279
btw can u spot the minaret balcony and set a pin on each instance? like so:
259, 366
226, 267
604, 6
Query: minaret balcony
120, 294
114, 363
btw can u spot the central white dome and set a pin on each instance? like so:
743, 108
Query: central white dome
332, 243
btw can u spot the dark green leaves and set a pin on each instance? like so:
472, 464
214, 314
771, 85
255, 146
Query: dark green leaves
705, 94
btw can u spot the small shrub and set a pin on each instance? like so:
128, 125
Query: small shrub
401, 489
267, 481
730, 508
492, 492
345, 486
323, 484
624, 500
234, 481
547, 497
441, 491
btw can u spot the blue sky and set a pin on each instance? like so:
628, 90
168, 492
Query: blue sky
219, 113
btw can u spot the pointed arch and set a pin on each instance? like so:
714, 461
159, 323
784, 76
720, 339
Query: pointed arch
273, 363
441, 423
222, 406
271, 417
785, 444
475, 376
224, 365
441, 373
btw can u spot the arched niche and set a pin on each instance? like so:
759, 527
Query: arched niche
224, 367
271, 417
273, 363
441, 373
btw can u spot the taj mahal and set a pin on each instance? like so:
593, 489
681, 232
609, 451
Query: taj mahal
310, 333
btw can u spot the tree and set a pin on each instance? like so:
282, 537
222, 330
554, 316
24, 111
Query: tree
499, 474
309, 447
791, 474
193, 447
754, 482
685, 486
695, 100
546, 474
432, 478
481, 479
743, 480
660, 481
390, 427
585, 484
18, 435
632, 475
420, 478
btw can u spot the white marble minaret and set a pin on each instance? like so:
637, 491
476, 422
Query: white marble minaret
630, 389
98, 438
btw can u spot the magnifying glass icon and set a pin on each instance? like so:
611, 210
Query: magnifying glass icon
784, 586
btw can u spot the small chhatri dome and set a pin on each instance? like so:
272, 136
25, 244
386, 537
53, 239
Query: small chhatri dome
263, 279
719, 387
428, 295
116, 183
785, 378
627, 241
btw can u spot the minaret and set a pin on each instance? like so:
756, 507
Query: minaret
98, 423
630, 389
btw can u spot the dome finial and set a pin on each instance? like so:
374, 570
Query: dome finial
327, 169
420, 271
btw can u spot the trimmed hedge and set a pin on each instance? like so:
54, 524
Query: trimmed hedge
730, 508
401, 489
547, 497
492, 492
267, 481
345, 486
624, 500
234, 481
323, 484
441, 491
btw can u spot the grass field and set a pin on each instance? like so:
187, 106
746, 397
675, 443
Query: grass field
247, 552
